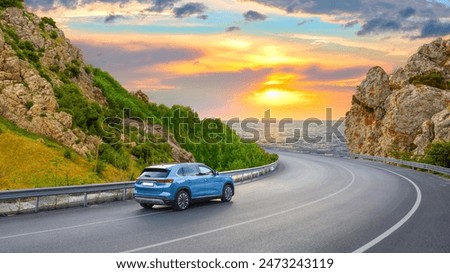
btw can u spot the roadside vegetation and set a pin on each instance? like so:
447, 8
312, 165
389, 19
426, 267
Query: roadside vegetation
438, 153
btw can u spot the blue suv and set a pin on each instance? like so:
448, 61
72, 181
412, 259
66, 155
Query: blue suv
178, 185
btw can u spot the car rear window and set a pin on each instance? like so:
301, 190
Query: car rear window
154, 173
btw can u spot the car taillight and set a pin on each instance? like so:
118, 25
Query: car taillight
166, 181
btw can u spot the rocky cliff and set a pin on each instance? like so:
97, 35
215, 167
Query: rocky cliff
406, 110
35, 60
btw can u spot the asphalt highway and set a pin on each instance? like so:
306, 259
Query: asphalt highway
309, 204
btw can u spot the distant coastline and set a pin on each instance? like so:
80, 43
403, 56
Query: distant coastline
312, 141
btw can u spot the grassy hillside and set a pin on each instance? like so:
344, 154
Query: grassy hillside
28, 161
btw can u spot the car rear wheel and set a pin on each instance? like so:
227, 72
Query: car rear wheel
146, 206
182, 200
227, 193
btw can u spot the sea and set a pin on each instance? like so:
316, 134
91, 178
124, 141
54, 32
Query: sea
312, 136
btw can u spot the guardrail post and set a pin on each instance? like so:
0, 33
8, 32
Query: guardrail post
36, 209
124, 194
85, 200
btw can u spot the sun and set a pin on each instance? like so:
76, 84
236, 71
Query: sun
278, 97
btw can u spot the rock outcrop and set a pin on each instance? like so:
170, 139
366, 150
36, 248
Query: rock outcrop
404, 111
26, 95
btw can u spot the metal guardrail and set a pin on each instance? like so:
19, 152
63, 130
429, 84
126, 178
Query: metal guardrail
237, 175
66, 190
412, 164
251, 173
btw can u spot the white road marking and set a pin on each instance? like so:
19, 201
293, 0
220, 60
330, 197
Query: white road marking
248, 221
399, 223
78, 226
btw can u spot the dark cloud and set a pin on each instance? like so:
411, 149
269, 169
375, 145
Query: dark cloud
232, 28
252, 15
375, 16
304, 22
112, 18
435, 28
73, 4
378, 25
114, 57
203, 16
131, 66
318, 6
315, 72
40, 4
189, 9
408, 12
70, 4
351, 24
162, 5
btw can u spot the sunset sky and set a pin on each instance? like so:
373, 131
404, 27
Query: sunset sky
231, 58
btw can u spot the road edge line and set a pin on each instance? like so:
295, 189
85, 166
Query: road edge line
400, 223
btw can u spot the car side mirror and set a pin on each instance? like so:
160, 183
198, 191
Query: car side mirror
216, 173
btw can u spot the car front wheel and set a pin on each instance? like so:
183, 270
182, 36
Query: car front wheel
227, 193
182, 201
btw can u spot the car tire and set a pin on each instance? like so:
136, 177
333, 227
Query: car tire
182, 201
146, 206
227, 193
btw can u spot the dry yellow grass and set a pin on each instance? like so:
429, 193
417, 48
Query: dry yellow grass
27, 161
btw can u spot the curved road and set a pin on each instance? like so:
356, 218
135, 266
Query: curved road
310, 204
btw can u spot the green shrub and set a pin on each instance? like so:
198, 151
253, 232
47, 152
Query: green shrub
11, 33
44, 75
53, 34
434, 79
398, 153
48, 21
72, 71
29, 104
67, 154
89, 69
99, 167
116, 156
85, 115
54, 68
11, 3
150, 153
438, 154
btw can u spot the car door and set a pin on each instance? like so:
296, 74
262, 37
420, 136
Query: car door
194, 181
213, 185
